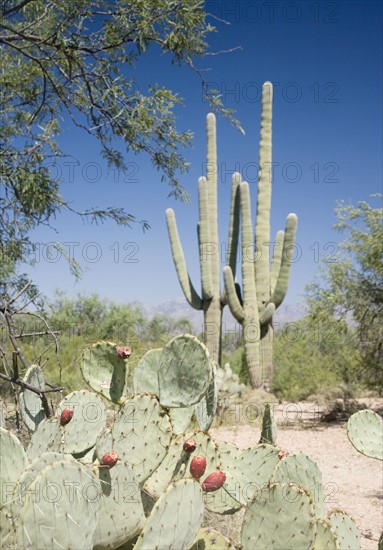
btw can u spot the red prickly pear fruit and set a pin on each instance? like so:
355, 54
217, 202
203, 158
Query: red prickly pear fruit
282, 454
109, 459
214, 481
66, 416
198, 466
190, 446
124, 352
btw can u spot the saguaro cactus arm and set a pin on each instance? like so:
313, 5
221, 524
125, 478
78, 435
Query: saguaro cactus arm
231, 295
179, 262
279, 292
206, 247
232, 242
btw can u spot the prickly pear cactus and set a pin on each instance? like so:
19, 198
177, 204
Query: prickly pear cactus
185, 372
13, 460
121, 515
325, 538
346, 531
210, 539
60, 510
175, 519
31, 409
29, 475
251, 471
141, 435
8, 539
280, 516
145, 376
365, 431
106, 371
47, 438
206, 409
301, 469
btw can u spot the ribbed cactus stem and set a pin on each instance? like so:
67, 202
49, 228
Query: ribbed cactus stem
262, 225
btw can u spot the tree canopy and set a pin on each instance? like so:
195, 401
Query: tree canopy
352, 288
77, 60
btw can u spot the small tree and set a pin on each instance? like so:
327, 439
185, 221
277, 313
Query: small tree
353, 286
76, 60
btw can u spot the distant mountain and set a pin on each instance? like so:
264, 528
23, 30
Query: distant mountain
176, 309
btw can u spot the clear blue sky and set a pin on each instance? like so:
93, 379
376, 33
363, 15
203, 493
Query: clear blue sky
325, 60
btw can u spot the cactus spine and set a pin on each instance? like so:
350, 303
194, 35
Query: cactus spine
211, 300
264, 286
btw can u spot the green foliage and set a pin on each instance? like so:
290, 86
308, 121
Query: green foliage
352, 287
310, 357
80, 64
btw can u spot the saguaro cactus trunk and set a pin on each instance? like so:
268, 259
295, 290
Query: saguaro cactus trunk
264, 295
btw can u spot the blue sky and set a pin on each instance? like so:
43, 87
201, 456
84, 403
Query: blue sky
325, 60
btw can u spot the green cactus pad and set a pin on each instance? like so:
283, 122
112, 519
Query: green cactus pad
31, 409
301, 469
345, 529
121, 515
251, 471
175, 519
206, 409
222, 501
145, 376
47, 438
61, 509
269, 427
184, 373
180, 418
8, 538
325, 538
105, 372
89, 418
365, 431
13, 460
29, 475
280, 516
141, 435
210, 539
170, 468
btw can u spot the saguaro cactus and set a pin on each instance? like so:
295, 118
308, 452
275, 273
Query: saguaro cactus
264, 285
211, 300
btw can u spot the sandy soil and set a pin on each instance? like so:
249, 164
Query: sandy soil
352, 482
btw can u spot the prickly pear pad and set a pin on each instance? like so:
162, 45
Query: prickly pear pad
47, 438
325, 538
106, 372
175, 519
61, 509
205, 410
145, 376
301, 469
121, 515
31, 409
29, 475
211, 539
280, 516
365, 431
13, 460
7, 532
185, 372
251, 471
88, 419
141, 435
345, 529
